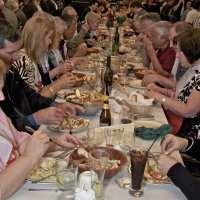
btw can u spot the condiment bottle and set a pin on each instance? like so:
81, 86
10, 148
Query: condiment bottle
105, 117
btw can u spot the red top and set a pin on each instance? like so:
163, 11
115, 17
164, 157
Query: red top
167, 58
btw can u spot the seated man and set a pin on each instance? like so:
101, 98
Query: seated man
93, 5
177, 70
22, 104
159, 52
74, 43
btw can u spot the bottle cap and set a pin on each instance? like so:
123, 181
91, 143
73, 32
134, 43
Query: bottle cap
105, 98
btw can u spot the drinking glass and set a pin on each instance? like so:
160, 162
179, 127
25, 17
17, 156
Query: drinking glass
124, 81
98, 160
126, 117
138, 157
127, 141
66, 180
113, 137
95, 136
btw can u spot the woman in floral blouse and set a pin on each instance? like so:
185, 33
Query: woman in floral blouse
185, 100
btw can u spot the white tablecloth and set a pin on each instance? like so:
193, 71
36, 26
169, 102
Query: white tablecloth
112, 190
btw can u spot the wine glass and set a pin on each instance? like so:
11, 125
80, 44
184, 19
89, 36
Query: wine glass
124, 81
127, 141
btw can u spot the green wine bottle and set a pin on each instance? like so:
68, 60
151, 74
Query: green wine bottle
115, 47
108, 76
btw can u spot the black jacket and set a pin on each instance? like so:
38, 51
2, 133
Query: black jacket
183, 179
21, 100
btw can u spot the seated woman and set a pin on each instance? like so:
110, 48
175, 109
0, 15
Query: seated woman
93, 20
185, 101
174, 170
58, 55
38, 37
20, 152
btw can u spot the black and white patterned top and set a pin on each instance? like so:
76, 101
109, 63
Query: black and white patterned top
28, 70
193, 84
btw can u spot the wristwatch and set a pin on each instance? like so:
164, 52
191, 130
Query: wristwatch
163, 100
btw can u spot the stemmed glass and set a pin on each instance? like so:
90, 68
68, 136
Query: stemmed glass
124, 81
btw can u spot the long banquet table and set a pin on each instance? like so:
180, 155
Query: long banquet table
112, 190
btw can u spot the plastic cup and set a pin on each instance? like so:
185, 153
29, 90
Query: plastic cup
98, 160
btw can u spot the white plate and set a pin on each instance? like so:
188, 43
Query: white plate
58, 163
84, 68
147, 124
136, 84
85, 125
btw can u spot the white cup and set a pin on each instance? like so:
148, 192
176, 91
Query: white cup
84, 181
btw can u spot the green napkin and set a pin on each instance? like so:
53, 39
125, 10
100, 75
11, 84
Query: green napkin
151, 133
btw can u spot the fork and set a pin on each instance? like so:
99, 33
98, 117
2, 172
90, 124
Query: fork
53, 140
65, 153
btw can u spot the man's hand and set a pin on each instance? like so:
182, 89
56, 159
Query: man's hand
51, 115
69, 141
164, 163
90, 41
69, 109
173, 143
150, 78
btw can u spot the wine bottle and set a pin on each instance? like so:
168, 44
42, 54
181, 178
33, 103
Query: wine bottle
108, 75
115, 47
105, 117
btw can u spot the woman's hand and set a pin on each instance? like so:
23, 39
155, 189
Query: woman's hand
153, 94
164, 163
173, 143
69, 141
67, 80
65, 67
36, 145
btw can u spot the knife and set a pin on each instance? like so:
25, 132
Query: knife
41, 189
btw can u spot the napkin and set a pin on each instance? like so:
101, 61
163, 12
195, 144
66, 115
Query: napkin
114, 106
151, 133
140, 99
82, 194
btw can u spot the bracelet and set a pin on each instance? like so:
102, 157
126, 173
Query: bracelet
190, 144
163, 100
51, 91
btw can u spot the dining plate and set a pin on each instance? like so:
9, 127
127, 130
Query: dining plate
136, 84
76, 124
147, 124
46, 167
86, 66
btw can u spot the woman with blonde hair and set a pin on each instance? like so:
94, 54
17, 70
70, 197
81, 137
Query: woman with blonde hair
93, 20
38, 36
